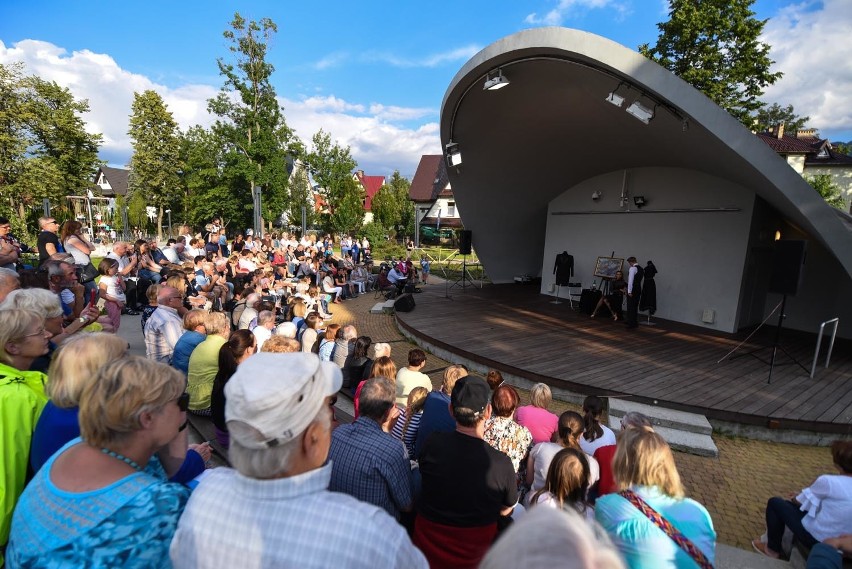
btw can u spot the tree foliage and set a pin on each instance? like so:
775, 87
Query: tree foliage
331, 167
45, 151
392, 207
347, 215
774, 114
714, 46
155, 166
251, 123
829, 191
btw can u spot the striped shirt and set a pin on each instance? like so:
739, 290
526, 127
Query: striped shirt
410, 431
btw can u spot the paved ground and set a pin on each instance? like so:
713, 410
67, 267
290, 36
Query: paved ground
733, 487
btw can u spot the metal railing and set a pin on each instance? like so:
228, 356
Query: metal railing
834, 321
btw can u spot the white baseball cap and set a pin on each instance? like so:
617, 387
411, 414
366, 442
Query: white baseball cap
278, 395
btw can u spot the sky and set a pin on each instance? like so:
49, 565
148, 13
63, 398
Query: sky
372, 74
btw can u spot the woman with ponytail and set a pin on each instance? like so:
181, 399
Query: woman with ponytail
595, 435
570, 432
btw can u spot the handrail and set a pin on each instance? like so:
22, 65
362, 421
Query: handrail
836, 322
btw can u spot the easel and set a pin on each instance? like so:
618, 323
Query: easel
557, 301
776, 343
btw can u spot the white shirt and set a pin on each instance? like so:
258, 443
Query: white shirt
827, 504
631, 274
235, 521
162, 331
394, 276
261, 335
171, 254
589, 447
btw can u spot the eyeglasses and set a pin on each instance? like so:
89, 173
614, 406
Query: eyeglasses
183, 402
39, 332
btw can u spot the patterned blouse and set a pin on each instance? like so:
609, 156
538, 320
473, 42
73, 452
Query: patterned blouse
510, 438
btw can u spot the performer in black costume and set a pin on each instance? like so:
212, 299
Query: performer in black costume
563, 268
634, 291
614, 299
649, 290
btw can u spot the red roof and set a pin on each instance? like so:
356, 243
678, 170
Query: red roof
371, 185
430, 180
790, 144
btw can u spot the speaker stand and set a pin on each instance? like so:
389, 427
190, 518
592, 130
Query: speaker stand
557, 301
776, 344
465, 276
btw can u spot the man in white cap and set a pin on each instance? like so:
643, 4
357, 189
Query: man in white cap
274, 509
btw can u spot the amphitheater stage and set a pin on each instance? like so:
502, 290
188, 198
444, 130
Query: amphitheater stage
517, 330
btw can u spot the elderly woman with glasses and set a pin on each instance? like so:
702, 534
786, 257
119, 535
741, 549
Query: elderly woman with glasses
23, 338
103, 500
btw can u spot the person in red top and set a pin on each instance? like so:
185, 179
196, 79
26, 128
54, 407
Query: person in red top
605, 454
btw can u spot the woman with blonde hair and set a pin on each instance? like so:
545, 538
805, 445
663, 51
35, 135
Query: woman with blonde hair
76, 243
110, 482
408, 422
204, 363
649, 519
194, 322
535, 416
23, 338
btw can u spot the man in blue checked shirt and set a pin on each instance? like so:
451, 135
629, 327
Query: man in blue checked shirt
368, 462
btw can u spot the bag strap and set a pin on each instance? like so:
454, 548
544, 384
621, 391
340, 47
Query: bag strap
681, 540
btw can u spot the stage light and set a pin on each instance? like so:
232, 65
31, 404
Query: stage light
453, 155
641, 112
639, 201
596, 195
615, 98
778, 235
495, 80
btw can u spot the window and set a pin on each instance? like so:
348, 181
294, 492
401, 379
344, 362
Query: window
451, 209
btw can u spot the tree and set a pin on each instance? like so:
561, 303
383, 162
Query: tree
392, 207
774, 114
45, 151
347, 216
155, 166
331, 166
829, 191
251, 122
714, 46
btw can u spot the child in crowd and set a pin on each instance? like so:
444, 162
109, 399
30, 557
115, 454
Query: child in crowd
408, 422
566, 484
111, 288
425, 267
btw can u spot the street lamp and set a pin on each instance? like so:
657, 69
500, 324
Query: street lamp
168, 211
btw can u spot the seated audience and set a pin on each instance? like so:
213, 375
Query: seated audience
165, 326
566, 485
196, 332
408, 423
204, 363
274, 509
595, 435
310, 334
604, 454
647, 477
410, 377
368, 463
344, 346
281, 345
535, 416
494, 379
467, 486
569, 432
822, 510
504, 434
436, 410
23, 338
124, 510
547, 537
353, 369
326, 348
382, 367
239, 347
265, 323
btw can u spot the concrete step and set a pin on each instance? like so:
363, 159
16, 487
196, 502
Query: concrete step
684, 441
378, 308
660, 416
728, 557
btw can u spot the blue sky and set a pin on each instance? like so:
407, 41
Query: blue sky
373, 74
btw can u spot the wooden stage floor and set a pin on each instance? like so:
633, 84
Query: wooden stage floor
515, 329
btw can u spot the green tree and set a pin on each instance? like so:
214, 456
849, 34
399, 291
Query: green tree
250, 120
155, 166
347, 215
331, 167
774, 114
714, 46
843, 147
301, 195
392, 207
829, 191
45, 151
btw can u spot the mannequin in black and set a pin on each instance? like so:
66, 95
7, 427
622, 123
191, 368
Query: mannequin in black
649, 290
563, 268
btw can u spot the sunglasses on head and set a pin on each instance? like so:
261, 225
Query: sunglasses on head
183, 402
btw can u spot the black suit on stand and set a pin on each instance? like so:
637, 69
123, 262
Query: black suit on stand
563, 268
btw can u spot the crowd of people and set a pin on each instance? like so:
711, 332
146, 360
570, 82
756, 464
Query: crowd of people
98, 470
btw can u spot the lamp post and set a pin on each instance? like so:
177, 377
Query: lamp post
168, 211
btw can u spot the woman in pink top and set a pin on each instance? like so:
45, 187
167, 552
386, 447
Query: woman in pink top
540, 422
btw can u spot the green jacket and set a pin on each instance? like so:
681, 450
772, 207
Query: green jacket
21, 400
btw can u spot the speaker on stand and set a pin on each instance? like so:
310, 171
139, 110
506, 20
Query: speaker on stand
465, 249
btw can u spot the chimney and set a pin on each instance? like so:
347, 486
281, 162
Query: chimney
779, 131
806, 133
360, 173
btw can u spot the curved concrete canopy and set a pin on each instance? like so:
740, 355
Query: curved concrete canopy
551, 128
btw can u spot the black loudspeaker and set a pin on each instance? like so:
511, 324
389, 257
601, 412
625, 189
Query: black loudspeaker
788, 258
465, 241
405, 303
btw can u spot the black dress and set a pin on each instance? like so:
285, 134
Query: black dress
649, 290
616, 296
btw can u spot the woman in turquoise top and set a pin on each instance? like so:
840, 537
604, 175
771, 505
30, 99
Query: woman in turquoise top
103, 500
644, 464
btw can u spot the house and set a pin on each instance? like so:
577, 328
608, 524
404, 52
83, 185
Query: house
432, 194
810, 155
371, 185
111, 181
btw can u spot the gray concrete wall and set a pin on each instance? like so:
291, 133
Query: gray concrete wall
700, 256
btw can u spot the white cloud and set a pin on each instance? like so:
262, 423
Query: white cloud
331, 60
807, 40
373, 131
433, 60
566, 8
